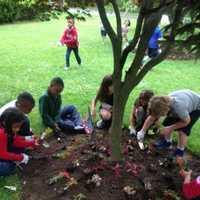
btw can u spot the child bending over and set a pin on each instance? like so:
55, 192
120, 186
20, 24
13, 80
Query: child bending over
105, 97
181, 110
139, 111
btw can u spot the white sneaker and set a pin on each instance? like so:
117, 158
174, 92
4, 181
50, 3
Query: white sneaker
78, 127
66, 68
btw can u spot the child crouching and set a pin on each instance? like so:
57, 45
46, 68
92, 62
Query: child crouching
139, 111
12, 146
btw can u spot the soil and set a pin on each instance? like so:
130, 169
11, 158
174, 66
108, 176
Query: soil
180, 54
149, 174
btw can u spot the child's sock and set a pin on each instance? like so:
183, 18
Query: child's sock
168, 140
179, 152
181, 148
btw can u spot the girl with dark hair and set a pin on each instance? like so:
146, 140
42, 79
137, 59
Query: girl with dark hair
139, 112
12, 145
105, 97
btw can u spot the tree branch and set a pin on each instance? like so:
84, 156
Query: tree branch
148, 66
118, 19
149, 26
153, 62
134, 41
105, 21
150, 23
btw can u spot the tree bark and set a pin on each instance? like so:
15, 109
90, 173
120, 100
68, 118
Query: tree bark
116, 127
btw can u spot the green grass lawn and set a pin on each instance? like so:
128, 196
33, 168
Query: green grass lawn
30, 58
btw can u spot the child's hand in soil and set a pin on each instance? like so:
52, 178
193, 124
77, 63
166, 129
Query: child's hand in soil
186, 175
180, 162
93, 113
37, 142
56, 128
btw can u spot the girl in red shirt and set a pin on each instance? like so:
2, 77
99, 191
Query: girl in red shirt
70, 39
11, 145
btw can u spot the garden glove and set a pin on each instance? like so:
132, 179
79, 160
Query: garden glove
25, 159
140, 135
132, 130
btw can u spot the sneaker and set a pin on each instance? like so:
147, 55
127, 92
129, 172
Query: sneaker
179, 153
162, 144
101, 124
78, 127
66, 68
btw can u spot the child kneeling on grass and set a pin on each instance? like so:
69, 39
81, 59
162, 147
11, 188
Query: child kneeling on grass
191, 188
25, 103
12, 146
139, 111
50, 109
105, 97
182, 110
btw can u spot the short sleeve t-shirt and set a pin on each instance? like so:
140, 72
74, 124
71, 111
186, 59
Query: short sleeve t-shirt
183, 103
11, 104
109, 100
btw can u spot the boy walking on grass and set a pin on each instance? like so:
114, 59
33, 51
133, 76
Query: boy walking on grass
182, 110
70, 39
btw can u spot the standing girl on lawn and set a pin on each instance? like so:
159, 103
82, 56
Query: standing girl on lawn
125, 30
105, 97
70, 39
12, 146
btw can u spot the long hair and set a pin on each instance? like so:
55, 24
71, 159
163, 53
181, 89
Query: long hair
103, 92
9, 117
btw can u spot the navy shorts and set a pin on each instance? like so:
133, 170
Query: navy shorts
194, 116
153, 52
103, 33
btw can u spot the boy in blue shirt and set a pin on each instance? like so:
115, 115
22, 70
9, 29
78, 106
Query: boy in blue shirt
153, 47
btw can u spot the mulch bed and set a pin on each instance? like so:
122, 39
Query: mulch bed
180, 54
90, 173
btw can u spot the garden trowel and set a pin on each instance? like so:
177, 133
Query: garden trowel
141, 145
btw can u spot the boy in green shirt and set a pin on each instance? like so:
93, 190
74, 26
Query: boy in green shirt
50, 104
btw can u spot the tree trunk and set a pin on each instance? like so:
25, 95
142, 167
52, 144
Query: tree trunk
117, 121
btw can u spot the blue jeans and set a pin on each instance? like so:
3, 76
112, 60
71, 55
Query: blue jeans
68, 52
69, 118
7, 167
